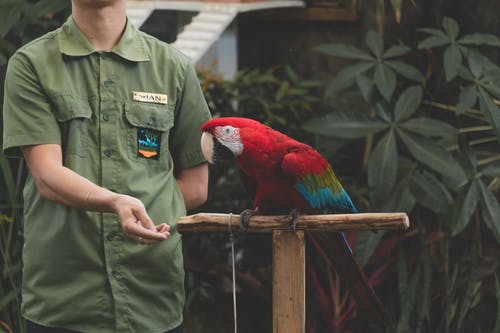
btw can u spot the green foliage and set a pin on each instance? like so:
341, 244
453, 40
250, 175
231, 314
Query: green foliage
427, 158
20, 22
378, 61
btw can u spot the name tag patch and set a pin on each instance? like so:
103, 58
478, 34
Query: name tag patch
140, 96
148, 143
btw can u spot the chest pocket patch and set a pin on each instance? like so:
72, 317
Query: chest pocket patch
148, 143
149, 128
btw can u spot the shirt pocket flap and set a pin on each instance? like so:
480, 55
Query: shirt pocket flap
68, 108
157, 117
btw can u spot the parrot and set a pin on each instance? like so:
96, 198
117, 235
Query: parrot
285, 175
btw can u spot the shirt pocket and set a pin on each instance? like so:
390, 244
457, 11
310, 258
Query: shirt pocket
148, 128
74, 117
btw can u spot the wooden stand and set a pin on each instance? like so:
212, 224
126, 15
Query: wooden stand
289, 314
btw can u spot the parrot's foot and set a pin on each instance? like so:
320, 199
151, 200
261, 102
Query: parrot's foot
292, 217
245, 218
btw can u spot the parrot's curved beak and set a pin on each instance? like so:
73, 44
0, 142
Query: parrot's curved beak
213, 150
207, 146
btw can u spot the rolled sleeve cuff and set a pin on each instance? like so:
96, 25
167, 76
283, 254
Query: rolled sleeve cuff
190, 159
13, 143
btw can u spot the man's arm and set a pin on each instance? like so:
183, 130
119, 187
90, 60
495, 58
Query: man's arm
193, 183
57, 183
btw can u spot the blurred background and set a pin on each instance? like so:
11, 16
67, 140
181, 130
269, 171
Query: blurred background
401, 96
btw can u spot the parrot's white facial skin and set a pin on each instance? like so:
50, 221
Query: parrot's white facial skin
227, 136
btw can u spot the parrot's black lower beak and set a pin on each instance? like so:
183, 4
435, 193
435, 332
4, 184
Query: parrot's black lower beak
221, 152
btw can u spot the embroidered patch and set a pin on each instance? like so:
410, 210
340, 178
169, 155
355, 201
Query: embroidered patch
148, 143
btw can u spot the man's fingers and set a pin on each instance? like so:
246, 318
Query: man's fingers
138, 230
142, 240
144, 219
163, 227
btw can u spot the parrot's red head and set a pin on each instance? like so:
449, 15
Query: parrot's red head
224, 137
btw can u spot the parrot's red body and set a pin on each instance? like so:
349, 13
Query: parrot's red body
282, 175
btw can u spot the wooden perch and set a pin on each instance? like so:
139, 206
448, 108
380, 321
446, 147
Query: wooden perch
289, 315
261, 223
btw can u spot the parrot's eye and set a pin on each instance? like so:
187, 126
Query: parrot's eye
227, 130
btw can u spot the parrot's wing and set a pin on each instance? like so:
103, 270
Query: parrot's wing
316, 181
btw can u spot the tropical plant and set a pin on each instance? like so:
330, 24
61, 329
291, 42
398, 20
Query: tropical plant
430, 158
20, 22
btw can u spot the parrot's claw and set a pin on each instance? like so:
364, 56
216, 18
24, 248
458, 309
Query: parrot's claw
245, 218
292, 217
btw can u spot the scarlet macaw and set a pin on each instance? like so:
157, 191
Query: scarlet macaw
284, 175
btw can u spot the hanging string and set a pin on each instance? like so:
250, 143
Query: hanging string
231, 239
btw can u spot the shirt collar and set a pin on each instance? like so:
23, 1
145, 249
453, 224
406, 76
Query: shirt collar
72, 42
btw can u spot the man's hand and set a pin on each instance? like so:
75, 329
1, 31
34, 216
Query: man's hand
57, 183
136, 223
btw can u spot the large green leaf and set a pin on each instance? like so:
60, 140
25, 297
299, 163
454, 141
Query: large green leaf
406, 70
366, 244
382, 110
452, 60
480, 39
407, 104
431, 154
476, 64
490, 209
471, 292
493, 88
467, 98
396, 51
497, 321
365, 85
467, 159
10, 13
344, 51
344, 125
382, 168
465, 205
433, 41
430, 192
430, 128
375, 43
432, 31
346, 76
450, 26
401, 199
8, 178
492, 170
385, 80
425, 291
490, 110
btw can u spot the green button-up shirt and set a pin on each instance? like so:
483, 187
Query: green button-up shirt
80, 271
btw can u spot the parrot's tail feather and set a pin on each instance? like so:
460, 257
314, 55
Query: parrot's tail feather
351, 272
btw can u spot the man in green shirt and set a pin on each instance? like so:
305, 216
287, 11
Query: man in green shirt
108, 120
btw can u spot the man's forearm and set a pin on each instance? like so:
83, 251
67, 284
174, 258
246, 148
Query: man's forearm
57, 183
62, 185
193, 183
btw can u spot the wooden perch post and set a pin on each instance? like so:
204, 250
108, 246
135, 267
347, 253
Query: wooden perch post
289, 251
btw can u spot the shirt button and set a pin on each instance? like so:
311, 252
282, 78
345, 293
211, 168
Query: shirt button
103, 55
151, 120
107, 83
105, 117
108, 152
110, 236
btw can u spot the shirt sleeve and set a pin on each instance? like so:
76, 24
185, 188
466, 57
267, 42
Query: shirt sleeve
191, 112
27, 112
